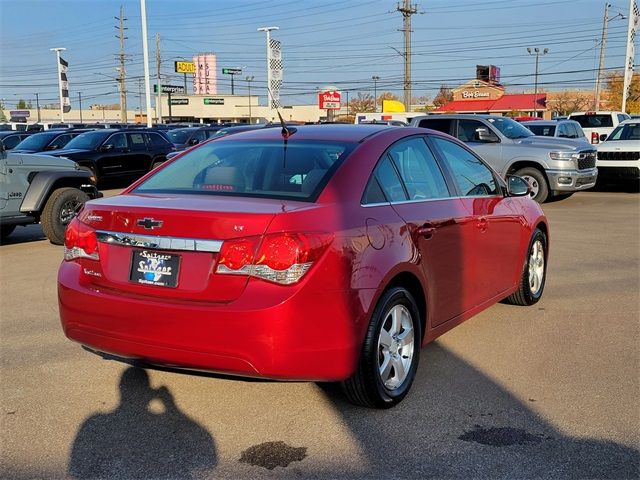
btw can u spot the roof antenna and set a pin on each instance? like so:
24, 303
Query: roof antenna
286, 132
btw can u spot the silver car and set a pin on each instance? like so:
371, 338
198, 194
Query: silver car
568, 129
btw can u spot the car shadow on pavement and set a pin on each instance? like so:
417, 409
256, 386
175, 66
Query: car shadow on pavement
458, 423
135, 442
24, 234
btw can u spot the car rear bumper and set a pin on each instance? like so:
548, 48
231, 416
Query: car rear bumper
572, 180
310, 336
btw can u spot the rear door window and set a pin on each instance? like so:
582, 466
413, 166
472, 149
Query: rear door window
157, 140
419, 170
390, 181
137, 141
467, 130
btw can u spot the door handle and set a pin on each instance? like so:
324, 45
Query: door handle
426, 231
482, 224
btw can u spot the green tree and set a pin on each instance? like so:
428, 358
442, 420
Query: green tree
21, 104
2, 116
613, 92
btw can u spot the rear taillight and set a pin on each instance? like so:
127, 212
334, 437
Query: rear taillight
595, 138
281, 258
80, 241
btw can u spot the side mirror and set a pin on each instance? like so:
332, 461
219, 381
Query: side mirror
52, 147
517, 186
484, 135
106, 148
193, 141
603, 137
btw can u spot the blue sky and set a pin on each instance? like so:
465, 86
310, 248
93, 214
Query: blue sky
342, 43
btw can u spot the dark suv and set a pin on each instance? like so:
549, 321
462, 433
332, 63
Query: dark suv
112, 153
47, 141
187, 137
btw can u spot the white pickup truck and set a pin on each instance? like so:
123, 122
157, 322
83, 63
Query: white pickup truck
619, 156
598, 125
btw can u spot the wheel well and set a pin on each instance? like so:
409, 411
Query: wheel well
61, 183
412, 284
524, 164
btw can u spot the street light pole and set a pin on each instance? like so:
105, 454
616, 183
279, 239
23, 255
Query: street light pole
375, 79
80, 102
249, 79
145, 55
38, 105
536, 51
58, 50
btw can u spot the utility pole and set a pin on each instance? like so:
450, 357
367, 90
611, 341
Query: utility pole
249, 79
407, 11
159, 93
140, 98
79, 102
38, 105
121, 80
375, 79
536, 51
603, 46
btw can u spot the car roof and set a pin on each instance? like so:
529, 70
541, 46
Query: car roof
6, 133
460, 115
334, 132
547, 122
629, 121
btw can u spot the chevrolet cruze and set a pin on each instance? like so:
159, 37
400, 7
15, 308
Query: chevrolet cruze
321, 253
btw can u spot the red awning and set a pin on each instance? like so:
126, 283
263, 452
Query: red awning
506, 103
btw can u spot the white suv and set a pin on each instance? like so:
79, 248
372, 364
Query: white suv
598, 125
619, 156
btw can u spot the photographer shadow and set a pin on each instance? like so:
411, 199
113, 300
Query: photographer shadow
135, 442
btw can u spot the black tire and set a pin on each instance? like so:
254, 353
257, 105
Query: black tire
538, 181
6, 230
59, 210
365, 387
525, 296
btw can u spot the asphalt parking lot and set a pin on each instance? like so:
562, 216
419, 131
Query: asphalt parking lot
549, 391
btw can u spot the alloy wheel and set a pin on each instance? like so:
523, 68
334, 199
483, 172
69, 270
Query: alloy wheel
536, 267
69, 210
395, 347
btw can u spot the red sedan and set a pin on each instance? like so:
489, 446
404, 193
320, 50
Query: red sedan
326, 253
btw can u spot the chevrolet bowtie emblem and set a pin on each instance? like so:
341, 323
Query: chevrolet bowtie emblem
149, 223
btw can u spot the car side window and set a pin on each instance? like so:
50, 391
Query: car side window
11, 141
578, 129
440, 124
137, 141
418, 169
200, 135
472, 177
373, 193
467, 130
563, 131
157, 140
118, 140
60, 141
389, 181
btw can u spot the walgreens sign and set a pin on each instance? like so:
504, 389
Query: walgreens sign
329, 100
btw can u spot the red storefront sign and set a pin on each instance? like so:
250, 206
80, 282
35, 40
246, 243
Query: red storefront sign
329, 100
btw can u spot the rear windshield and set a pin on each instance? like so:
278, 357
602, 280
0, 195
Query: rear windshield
628, 131
593, 121
268, 169
545, 130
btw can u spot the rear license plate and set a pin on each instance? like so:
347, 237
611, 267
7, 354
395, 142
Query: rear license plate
154, 268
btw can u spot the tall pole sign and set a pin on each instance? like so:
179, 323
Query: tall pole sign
634, 18
63, 85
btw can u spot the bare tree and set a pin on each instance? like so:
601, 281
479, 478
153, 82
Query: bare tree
362, 103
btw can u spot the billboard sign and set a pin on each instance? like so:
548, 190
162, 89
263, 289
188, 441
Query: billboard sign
185, 67
214, 101
19, 113
179, 101
232, 71
329, 100
169, 88
205, 79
